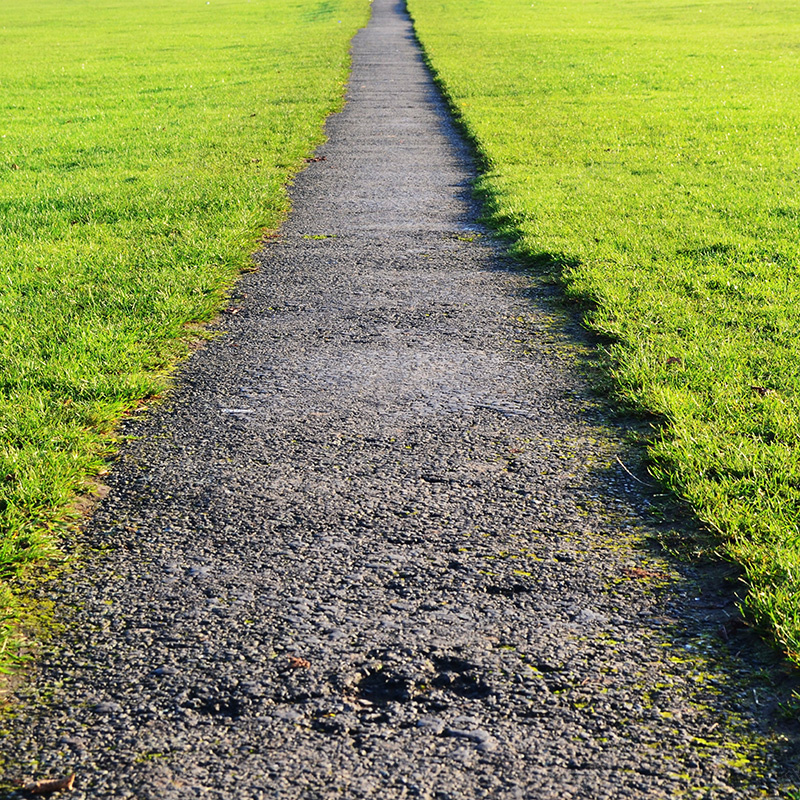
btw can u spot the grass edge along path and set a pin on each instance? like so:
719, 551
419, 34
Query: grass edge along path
646, 154
144, 151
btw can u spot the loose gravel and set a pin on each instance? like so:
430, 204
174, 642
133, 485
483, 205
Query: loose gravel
380, 543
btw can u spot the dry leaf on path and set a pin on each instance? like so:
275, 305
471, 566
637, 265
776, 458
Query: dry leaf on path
638, 572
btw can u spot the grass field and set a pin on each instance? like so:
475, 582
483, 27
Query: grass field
646, 153
144, 148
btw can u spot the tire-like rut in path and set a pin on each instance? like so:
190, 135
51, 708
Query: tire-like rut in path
378, 543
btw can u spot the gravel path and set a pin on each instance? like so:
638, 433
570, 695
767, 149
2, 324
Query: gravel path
379, 545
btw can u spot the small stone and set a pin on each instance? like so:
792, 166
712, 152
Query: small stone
432, 724
587, 616
78, 745
107, 708
485, 741
287, 715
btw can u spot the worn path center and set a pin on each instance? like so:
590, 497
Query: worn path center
379, 543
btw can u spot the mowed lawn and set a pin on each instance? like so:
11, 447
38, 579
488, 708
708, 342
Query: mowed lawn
647, 153
144, 149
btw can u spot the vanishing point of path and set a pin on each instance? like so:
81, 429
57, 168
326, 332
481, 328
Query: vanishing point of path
379, 544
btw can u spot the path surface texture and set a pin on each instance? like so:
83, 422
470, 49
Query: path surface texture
378, 543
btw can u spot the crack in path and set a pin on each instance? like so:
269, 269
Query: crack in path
379, 544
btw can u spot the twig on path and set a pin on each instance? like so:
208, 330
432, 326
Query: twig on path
638, 480
50, 786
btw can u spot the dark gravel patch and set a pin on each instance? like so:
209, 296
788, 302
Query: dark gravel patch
379, 544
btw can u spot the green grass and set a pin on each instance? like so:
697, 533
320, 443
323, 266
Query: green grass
144, 148
647, 153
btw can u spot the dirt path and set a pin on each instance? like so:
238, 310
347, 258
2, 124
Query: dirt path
379, 545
